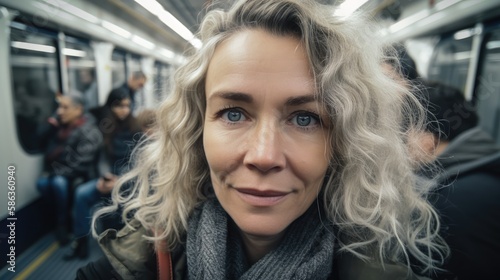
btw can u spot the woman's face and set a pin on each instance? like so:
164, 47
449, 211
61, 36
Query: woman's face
121, 109
263, 138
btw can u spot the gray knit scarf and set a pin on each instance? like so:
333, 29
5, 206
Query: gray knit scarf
215, 249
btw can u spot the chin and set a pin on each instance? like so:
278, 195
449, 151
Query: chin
258, 225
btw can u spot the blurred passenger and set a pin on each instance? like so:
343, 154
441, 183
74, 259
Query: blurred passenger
134, 84
118, 127
279, 155
70, 141
469, 199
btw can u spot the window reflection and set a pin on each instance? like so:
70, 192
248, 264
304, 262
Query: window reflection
79, 58
451, 59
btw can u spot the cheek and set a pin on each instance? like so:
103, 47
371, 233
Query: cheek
217, 146
74, 113
125, 112
309, 159
210, 147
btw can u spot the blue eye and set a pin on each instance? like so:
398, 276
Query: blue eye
233, 115
305, 119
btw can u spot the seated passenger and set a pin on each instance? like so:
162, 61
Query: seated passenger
279, 155
70, 141
118, 127
469, 199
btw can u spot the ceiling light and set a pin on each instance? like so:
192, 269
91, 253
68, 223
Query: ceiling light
463, 34
143, 42
348, 7
169, 20
33, 47
167, 53
73, 52
116, 29
73, 10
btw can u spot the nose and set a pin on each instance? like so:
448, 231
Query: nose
265, 149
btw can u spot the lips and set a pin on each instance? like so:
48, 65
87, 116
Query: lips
261, 198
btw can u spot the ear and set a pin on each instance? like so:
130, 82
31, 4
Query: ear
81, 109
428, 143
422, 145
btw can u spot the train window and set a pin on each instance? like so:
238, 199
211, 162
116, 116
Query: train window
487, 94
35, 81
167, 76
157, 81
79, 58
451, 59
133, 64
161, 80
118, 69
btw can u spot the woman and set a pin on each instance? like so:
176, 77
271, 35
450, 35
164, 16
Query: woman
118, 128
280, 155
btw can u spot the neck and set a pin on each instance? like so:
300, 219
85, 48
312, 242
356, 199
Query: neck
130, 85
257, 247
72, 123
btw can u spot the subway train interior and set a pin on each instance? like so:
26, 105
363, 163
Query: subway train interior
50, 47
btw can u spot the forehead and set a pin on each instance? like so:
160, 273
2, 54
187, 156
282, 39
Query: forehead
257, 60
65, 101
141, 79
260, 46
122, 101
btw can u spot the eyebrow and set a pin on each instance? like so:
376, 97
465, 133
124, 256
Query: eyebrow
235, 96
300, 100
243, 97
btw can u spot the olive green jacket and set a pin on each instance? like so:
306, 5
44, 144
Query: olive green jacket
133, 257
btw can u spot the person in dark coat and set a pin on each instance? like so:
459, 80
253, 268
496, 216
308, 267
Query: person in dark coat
468, 199
70, 141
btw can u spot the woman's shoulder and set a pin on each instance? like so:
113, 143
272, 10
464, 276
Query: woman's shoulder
128, 255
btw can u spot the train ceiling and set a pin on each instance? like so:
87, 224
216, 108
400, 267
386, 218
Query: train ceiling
190, 13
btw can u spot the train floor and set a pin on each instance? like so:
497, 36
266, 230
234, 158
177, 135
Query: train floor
44, 260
